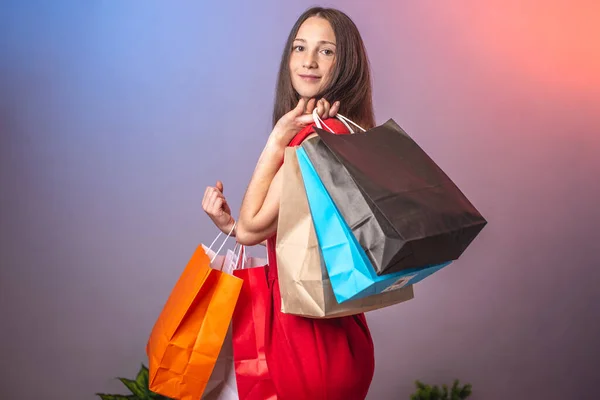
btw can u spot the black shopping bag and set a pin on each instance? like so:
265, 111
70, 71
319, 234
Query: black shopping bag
418, 216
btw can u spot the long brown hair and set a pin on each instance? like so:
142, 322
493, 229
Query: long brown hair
351, 78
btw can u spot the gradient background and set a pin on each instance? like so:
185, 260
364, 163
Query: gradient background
115, 116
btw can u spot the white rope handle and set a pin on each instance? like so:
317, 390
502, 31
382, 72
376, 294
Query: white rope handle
319, 122
268, 247
236, 255
344, 119
222, 244
241, 253
243, 257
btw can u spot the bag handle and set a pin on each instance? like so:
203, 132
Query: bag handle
222, 244
344, 120
242, 252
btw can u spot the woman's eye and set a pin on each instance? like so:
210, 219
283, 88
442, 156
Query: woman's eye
298, 48
327, 52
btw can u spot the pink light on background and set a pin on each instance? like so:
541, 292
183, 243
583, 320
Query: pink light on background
553, 44
114, 118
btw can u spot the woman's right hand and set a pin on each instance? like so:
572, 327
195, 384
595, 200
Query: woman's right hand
216, 207
260, 206
291, 123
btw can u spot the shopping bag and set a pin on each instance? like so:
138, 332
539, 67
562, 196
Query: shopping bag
242, 260
222, 384
351, 273
217, 260
254, 262
231, 259
433, 222
369, 226
187, 337
249, 321
304, 284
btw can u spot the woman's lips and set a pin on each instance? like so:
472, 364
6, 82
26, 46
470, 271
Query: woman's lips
310, 78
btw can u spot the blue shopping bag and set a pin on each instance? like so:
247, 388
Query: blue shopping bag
351, 273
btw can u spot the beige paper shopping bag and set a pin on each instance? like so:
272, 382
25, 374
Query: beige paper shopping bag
304, 284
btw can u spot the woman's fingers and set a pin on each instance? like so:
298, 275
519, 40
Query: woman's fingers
334, 109
217, 207
299, 110
325, 109
213, 200
304, 120
218, 196
207, 193
320, 108
310, 106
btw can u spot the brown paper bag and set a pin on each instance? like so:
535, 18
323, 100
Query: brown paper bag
303, 281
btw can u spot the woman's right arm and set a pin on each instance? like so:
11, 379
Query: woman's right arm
260, 205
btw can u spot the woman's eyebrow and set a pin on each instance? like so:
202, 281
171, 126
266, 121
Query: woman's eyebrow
320, 41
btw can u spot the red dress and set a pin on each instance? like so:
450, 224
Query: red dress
316, 359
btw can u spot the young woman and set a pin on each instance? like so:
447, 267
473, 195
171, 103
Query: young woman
324, 61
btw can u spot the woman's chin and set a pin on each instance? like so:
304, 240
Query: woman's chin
307, 93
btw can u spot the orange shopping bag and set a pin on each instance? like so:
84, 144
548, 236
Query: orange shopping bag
189, 333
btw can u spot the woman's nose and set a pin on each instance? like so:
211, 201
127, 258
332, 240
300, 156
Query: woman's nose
309, 61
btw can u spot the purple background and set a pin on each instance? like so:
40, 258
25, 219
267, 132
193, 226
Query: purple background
114, 116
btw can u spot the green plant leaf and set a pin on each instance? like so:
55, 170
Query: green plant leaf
455, 388
104, 396
420, 385
436, 393
142, 380
136, 389
465, 391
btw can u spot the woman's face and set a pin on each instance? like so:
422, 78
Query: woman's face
313, 57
